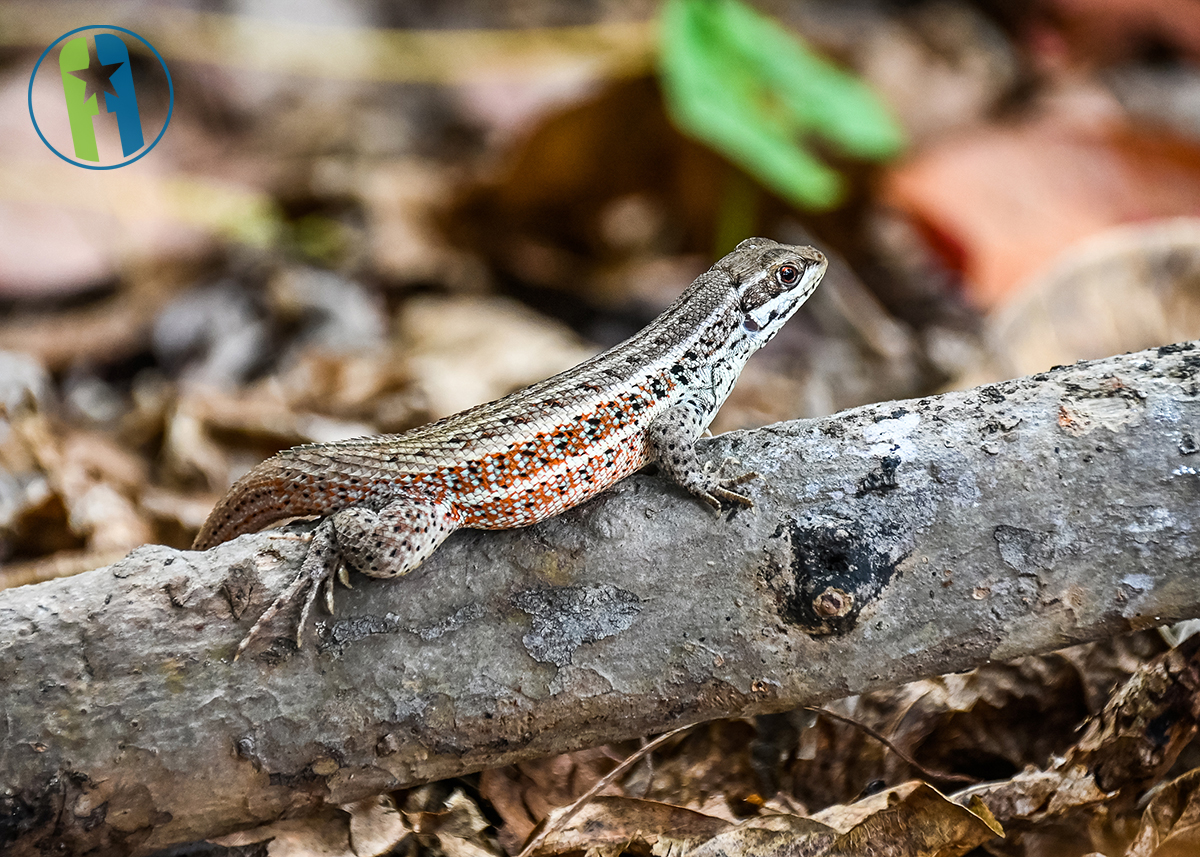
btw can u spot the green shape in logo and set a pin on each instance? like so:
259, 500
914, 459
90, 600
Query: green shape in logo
80, 107
95, 82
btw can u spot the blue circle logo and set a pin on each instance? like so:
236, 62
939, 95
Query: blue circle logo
88, 110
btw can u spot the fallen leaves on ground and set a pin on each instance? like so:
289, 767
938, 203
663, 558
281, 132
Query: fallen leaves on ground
1000, 203
910, 820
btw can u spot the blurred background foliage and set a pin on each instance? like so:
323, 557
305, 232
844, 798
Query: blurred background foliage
742, 84
365, 215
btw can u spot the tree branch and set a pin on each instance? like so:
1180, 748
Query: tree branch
889, 542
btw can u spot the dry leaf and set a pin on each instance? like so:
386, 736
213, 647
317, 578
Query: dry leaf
611, 825
1001, 202
373, 386
770, 836
95, 479
910, 820
325, 834
1171, 822
400, 198
525, 793
913, 820
463, 351
376, 826
454, 824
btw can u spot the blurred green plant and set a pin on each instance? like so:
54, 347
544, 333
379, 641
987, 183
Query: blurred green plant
742, 84
320, 238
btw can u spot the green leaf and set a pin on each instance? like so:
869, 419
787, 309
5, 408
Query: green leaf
739, 82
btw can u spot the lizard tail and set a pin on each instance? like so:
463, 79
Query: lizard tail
270, 492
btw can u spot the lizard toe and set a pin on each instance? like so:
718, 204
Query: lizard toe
733, 496
748, 476
315, 577
327, 587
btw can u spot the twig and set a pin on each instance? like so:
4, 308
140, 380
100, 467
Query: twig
586, 797
929, 773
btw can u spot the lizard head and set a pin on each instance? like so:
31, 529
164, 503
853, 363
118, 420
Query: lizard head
771, 281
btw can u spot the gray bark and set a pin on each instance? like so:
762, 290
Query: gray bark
890, 542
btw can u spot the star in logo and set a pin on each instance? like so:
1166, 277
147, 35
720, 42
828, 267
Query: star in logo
97, 76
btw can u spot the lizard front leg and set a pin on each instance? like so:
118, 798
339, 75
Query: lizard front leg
385, 543
671, 440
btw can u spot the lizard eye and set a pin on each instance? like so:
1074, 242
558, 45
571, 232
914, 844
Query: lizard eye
788, 275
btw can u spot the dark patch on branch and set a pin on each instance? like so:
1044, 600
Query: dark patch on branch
835, 571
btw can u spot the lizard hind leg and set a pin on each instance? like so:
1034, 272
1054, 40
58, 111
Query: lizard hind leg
320, 562
394, 540
385, 543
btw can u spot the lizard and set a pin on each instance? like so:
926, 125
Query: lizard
389, 501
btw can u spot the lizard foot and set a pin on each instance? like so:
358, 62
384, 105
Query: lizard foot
721, 487
321, 565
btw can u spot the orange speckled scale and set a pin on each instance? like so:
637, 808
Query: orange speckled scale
389, 501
